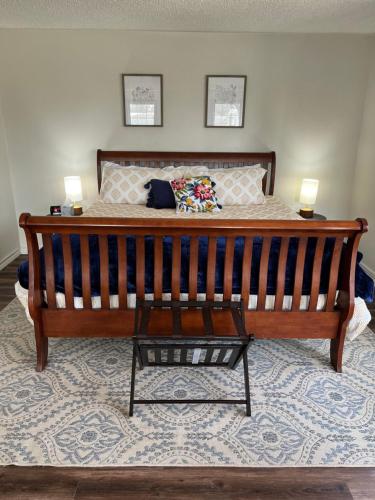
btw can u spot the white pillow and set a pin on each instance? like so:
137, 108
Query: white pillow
233, 169
110, 164
126, 185
186, 171
239, 186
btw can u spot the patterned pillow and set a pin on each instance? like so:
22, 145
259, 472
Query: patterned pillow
240, 186
195, 194
126, 185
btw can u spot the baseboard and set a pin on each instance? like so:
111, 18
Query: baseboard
8, 258
368, 270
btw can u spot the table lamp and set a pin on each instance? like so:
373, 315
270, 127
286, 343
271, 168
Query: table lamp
73, 192
309, 191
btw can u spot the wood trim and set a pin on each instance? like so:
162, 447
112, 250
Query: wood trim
195, 227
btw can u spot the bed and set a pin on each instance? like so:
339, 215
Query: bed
296, 278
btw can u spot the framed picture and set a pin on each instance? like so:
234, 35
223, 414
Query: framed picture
143, 100
225, 101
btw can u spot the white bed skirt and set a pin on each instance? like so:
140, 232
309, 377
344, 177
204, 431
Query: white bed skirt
358, 323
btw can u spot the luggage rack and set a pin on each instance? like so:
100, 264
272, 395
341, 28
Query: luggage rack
178, 346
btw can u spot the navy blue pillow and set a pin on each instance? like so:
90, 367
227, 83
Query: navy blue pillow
160, 195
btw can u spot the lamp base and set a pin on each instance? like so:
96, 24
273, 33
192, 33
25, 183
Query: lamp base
306, 213
77, 210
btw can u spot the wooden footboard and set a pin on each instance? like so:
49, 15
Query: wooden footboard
329, 323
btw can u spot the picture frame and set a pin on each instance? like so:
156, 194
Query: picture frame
142, 100
225, 101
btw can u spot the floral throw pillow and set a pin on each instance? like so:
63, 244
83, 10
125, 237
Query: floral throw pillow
195, 194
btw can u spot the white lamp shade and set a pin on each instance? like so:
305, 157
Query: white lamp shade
73, 187
309, 191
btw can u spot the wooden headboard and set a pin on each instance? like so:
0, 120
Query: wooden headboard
159, 159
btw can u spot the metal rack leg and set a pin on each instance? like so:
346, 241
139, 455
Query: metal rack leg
247, 383
132, 384
139, 356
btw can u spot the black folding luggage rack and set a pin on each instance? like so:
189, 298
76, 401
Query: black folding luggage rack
165, 347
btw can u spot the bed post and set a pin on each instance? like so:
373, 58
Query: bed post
35, 299
345, 299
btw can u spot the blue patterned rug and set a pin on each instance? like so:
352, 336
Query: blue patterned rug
75, 412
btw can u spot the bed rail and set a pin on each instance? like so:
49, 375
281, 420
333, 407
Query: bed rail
263, 322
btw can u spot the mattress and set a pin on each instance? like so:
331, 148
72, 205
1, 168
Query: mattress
272, 208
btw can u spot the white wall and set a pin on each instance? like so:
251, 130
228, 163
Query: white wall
62, 100
9, 244
363, 202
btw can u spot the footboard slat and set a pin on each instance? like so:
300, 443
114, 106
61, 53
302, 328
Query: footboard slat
140, 266
158, 267
263, 274
281, 269
86, 272
211, 268
246, 271
193, 268
104, 271
68, 271
50, 270
176, 267
228, 269
122, 264
316, 274
298, 277
333, 275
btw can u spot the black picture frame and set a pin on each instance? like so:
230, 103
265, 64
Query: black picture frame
125, 89
207, 122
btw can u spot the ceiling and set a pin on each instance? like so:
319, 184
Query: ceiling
287, 16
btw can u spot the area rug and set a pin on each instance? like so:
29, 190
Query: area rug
75, 413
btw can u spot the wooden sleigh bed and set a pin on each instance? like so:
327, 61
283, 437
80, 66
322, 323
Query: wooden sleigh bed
275, 323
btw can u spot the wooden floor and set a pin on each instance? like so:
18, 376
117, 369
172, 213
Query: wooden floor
8, 277
202, 483
45, 483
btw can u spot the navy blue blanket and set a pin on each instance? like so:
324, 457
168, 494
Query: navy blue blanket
364, 284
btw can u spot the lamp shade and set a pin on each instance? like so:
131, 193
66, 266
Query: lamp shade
73, 187
309, 191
